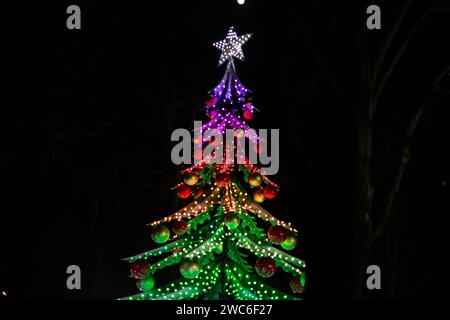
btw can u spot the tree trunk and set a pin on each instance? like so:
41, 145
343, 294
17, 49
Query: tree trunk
363, 196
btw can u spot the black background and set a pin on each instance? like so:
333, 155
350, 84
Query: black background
117, 88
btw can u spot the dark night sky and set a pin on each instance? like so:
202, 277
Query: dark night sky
117, 88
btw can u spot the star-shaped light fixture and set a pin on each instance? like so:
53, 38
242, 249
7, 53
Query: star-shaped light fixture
231, 46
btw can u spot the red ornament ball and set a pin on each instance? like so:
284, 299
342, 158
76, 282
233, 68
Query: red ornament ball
277, 234
210, 101
184, 191
222, 179
248, 115
179, 227
270, 192
265, 267
296, 286
140, 269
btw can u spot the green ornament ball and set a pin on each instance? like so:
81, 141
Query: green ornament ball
290, 242
161, 233
232, 220
146, 284
189, 268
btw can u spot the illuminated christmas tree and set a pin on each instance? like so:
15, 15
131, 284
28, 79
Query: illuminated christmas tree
224, 243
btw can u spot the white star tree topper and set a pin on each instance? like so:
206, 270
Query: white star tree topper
231, 46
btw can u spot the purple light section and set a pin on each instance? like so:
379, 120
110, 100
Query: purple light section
229, 94
230, 88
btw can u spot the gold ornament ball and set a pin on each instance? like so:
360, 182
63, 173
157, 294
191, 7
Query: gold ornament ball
258, 196
239, 133
191, 179
255, 179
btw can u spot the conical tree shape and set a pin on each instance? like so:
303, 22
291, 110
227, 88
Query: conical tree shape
224, 227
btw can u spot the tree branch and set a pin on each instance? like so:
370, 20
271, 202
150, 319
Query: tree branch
323, 66
404, 155
388, 41
403, 47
